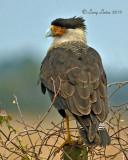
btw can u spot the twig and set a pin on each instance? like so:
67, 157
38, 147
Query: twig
55, 95
24, 124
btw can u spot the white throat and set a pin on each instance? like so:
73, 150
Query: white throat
70, 35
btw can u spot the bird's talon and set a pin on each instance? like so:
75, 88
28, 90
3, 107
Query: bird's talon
67, 141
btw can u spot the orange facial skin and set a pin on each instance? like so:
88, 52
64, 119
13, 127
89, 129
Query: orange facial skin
58, 31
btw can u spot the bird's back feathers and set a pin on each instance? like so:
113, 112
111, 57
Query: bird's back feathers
83, 85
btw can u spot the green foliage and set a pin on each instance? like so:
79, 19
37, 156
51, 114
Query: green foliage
26, 157
7, 123
19, 140
75, 153
1, 119
6, 120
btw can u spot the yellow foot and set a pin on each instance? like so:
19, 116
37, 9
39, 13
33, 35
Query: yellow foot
78, 140
67, 141
70, 141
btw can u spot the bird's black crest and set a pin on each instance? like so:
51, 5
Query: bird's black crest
75, 22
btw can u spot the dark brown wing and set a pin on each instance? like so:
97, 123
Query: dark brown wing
83, 85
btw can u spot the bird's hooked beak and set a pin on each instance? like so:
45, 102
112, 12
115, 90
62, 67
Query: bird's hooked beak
55, 31
49, 33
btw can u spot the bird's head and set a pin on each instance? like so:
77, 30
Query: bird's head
61, 27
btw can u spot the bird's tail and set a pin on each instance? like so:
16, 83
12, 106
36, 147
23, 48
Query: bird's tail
102, 138
103, 134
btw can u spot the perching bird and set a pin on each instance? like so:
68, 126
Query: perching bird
78, 74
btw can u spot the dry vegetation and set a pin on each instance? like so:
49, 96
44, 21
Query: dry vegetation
35, 142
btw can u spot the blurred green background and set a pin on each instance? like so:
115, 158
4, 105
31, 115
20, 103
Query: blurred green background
19, 76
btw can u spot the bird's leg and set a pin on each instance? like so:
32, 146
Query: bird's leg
68, 136
67, 128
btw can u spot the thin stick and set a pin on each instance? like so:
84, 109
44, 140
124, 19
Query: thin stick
119, 83
24, 124
55, 95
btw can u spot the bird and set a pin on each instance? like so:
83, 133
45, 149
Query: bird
73, 75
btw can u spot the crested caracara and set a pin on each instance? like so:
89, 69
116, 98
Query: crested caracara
78, 74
